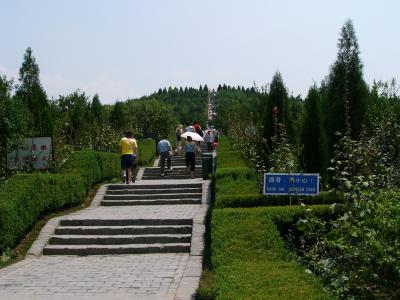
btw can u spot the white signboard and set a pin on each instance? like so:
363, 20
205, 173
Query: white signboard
35, 153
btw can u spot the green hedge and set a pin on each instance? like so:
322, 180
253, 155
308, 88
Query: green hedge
249, 258
147, 151
253, 200
224, 144
235, 181
24, 197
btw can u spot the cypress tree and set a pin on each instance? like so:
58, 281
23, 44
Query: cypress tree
346, 90
315, 150
278, 97
33, 96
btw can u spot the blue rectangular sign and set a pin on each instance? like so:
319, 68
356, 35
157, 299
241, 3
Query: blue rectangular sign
291, 184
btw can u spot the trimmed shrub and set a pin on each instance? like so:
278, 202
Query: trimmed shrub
230, 159
24, 197
236, 181
238, 172
93, 166
249, 258
224, 144
253, 200
147, 151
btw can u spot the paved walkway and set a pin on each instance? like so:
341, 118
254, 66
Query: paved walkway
144, 276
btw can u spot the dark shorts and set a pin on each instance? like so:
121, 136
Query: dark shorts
190, 159
127, 161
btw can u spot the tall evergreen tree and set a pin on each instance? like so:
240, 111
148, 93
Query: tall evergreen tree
315, 150
346, 90
32, 94
278, 106
96, 109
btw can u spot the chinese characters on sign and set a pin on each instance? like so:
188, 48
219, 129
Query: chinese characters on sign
291, 184
35, 153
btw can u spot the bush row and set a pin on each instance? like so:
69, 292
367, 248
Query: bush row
24, 197
249, 258
253, 200
147, 151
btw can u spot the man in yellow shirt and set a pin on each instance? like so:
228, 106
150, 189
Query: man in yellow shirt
128, 149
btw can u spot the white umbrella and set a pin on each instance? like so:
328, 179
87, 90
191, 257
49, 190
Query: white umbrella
195, 136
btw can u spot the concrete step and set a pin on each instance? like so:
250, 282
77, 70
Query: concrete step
151, 202
124, 222
156, 191
120, 230
153, 177
114, 187
115, 249
119, 239
175, 170
153, 196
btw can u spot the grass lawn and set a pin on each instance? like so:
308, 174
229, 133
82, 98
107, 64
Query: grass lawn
249, 259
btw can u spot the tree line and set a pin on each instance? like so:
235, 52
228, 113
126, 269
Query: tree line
77, 121
267, 119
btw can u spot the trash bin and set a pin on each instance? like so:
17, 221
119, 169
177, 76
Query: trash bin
206, 164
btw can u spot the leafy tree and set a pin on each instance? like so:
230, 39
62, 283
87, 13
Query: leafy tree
283, 157
14, 120
33, 96
315, 150
347, 92
118, 116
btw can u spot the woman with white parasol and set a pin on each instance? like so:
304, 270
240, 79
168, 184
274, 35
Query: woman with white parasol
191, 149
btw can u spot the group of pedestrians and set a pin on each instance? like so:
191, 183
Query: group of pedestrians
186, 141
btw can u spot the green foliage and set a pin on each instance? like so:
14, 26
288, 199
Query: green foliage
231, 159
254, 199
250, 261
235, 181
283, 158
14, 121
33, 96
347, 92
187, 105
315, 149
93, 166
227, 157
24, 197
357, 253
277, 97
146, 151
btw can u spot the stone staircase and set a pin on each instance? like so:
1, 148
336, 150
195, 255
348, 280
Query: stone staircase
116, 235
160, 194
176, 173
179, 167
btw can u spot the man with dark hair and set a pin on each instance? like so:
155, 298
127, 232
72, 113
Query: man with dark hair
164, 149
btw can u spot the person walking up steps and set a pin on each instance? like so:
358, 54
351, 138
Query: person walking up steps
129, 151
190, 155
178, 133
164, 149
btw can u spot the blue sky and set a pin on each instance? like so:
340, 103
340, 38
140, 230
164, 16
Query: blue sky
125, 49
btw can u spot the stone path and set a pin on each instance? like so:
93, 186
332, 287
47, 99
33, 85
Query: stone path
124, 276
